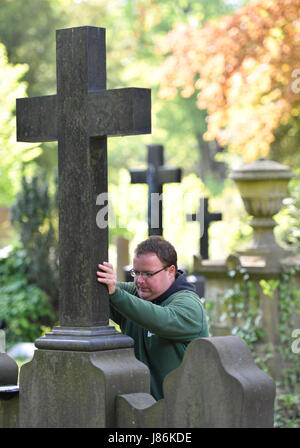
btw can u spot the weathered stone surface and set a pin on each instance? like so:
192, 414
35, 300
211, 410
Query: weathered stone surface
9, 411
81, 116
263, 185
217, 385
80, 365
9, 397
8, 370
67, 389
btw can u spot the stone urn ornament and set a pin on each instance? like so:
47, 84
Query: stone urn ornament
263, 185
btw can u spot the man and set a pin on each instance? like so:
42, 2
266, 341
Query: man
159, 310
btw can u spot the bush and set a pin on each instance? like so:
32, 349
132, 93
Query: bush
24, 307
35, 218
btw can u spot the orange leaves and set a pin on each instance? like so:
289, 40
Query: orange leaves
242, 67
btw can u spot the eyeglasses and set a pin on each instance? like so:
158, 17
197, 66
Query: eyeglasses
134, 273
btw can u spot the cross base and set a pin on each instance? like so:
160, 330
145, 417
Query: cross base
87, 339
78, 389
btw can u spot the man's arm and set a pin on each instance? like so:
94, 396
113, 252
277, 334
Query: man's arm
107, 276
183, 319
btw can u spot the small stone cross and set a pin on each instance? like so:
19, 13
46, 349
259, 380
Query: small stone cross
155, 176
81, 116
205, 218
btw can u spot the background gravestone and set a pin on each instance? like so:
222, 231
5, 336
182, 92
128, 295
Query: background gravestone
9, 409
155, 176
217, 385
205, 218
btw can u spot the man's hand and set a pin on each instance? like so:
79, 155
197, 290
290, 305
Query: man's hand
107, 276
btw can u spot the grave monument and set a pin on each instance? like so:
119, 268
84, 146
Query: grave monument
263, 185
155, 176
83, 362
205, 218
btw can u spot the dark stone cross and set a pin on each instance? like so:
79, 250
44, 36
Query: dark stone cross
81, 116
155, 176
205, 218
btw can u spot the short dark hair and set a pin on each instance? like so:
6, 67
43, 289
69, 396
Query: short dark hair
162, 248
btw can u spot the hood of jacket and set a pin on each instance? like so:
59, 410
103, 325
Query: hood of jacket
179, 284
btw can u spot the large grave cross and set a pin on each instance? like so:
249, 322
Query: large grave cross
155, 176
81, 116
205, 218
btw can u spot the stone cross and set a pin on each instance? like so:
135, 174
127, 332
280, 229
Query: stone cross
205, 218
81, 116
155, 176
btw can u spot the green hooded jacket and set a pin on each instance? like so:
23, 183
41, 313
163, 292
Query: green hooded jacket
161, 330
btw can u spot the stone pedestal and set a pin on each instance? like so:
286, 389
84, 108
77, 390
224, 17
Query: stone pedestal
81, 365
122, 257
263, 185
77, 389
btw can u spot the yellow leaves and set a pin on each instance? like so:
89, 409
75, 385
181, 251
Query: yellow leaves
285, 68
277, 33
31, 154
12, 154
187, 91
242, 68
149, 14
262, 12
272, 46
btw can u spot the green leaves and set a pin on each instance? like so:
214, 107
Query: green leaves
269, 287
23, 306
241, 309
12, 155
34, 215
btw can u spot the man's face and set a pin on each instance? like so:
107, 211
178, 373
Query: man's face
152, 287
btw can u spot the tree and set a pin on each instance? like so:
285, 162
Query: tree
34, 215
244, 68
12, 155
150, 19
27, 29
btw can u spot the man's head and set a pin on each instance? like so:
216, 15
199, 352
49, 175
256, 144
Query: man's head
154, 255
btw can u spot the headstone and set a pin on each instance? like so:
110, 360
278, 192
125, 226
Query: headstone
263, 185
8, 388
83, 362
155, 176
8, 367
122, 257
205, 218
217, 385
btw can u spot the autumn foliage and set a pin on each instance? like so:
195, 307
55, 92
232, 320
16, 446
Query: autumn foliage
245, 69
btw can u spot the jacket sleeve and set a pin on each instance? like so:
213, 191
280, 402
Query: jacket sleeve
182, 319
114, 313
